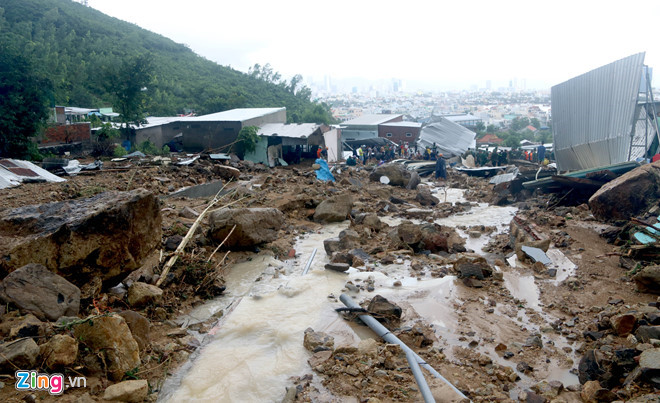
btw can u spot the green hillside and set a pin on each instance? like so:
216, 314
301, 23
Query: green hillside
70, 44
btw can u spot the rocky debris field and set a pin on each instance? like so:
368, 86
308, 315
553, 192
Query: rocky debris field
528, 300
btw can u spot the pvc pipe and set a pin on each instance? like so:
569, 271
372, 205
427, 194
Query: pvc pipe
385, 334
419, 377
309, 262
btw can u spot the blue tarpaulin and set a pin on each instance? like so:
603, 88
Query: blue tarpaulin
323, 173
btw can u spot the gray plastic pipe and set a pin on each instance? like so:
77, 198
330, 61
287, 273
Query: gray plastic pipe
309, 262
385, 334
419, 377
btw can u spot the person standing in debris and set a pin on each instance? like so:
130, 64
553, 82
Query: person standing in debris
318, 152
440, 168
360, 153
541, 152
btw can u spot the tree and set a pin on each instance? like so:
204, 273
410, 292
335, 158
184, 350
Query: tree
480, 127
491, 129
23, 103
128, 83
247, 139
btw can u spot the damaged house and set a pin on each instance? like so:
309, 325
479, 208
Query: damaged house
206, 132
282, 144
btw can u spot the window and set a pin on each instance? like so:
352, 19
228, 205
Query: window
389, 134
175, 128
408, 134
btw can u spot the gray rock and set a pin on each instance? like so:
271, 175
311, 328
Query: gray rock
648, 279
425, 198
254, 226
189, 213
108, 234
27, 326
140, 294
337, 266
127, 391
334, 209
331, 245
110, 338
381, 307
36, 289
645, 333
397, 174
414, 181
139, 326
60, 351
318, 341
21, 353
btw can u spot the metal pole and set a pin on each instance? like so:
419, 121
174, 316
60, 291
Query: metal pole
385, 334
419, 377
309, 262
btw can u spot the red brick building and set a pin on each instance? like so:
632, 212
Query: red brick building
66, 134
400, 132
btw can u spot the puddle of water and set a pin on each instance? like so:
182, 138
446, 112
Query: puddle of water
523, 288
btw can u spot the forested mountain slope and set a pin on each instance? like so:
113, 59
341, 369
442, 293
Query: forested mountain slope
71, 44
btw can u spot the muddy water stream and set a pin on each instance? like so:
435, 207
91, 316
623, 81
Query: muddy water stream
257, 345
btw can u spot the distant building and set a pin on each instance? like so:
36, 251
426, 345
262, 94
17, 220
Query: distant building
208, 131
400, 132
489, 139
366, 126
464, 119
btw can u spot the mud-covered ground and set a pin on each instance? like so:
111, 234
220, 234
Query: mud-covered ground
512, 337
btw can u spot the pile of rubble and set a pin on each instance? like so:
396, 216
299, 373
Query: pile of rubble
96, 270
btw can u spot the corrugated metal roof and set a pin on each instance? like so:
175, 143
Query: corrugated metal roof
371, 120
14, 172
402, 124
235, 115
299, 131
592, 115
449, 137
461, 118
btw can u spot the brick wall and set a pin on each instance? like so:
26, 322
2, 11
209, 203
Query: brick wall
399, 133
67, 133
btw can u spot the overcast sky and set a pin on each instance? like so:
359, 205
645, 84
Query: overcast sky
455, 44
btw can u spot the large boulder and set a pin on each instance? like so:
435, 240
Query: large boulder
110, 338
107, 234
254, 226
648, 279
629, 195
334, 209
35, 289
396, 173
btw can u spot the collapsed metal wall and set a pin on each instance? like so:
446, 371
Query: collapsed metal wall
593, 115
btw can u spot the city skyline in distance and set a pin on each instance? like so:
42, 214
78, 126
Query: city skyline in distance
443, 46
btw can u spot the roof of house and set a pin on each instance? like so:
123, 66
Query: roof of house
300, 130
489, 138
532, 128
14, 172
461, 118
402, 124
371, 120
234, 115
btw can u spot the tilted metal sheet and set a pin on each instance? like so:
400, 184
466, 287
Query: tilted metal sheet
593, 114
450, 138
